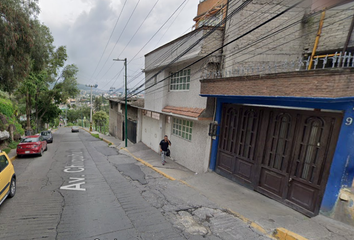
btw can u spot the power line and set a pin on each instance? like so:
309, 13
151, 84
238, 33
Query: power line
158, 31
280, 44
138, 28
109, 39
234, 40
132, 13
185, 40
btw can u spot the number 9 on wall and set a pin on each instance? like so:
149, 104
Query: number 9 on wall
349, 121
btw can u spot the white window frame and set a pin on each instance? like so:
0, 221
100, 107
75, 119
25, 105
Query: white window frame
182, 128
180, 81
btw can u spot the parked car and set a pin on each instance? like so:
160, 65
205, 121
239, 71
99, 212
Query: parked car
48, 136
7, 178
32, 145
74, 129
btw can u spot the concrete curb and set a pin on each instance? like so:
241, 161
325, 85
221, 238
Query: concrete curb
284, 234
278, 234
253, 225
105, 140
149, 165
13, 158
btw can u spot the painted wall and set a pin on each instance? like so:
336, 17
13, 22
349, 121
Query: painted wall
294, 43
159, 96
151, 133
240, 55
342, 169
191, 97
193, 154
113, 113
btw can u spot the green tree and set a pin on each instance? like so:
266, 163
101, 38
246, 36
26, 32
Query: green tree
97, 104
100, 119
17, 41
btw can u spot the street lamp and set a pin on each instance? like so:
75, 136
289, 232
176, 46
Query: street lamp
95, 86
126, 106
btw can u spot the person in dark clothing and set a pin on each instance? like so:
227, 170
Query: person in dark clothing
164, 147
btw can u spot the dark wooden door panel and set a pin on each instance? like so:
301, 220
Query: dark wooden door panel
244, 170
238, 142
285, 154
303, 195
272, 184
225, 162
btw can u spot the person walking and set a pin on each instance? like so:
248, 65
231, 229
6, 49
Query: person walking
164, 148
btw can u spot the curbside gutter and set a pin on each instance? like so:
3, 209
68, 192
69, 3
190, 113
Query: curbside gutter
284, 234
149, 165
277, 234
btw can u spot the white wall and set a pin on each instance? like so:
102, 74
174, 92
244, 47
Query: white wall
151, 133
194, 154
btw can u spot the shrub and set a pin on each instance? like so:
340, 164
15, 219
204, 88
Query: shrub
13, 145
6, 107
7, 150
95, 135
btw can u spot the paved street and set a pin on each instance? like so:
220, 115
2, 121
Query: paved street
82, 189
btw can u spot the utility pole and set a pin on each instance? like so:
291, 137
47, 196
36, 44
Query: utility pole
95, 86
125, 97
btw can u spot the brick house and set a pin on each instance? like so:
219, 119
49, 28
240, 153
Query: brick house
284, 105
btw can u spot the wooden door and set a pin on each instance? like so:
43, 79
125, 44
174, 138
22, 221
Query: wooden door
285, 154
314, 148
278, 146
238, 141
297, 155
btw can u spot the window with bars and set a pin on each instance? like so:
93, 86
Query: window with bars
180, 81
182, 128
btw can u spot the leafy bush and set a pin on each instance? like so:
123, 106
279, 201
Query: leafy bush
19, 128
6, 107
13, 145
95, 135
7, 150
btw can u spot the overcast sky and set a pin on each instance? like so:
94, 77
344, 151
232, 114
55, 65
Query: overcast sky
85, 26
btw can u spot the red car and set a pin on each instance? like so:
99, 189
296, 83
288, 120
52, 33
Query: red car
30, 145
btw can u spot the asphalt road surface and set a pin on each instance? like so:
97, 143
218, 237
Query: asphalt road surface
83, 189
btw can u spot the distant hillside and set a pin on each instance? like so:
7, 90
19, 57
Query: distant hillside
83, 87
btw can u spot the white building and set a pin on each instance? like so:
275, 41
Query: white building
172, 102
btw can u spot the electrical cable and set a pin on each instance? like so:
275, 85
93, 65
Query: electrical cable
109, 39
228, 43
283, 43
126, 24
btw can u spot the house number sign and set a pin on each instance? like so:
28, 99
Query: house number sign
349, 121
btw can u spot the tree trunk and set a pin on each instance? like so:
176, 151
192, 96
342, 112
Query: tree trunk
28, 111
36, 101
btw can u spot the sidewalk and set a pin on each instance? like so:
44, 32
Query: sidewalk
260, 212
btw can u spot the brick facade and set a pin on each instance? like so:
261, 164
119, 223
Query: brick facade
316, 83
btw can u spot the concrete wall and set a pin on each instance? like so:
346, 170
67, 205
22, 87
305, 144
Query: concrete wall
151, 133
241, 55
113, 114
193, 154
248, 57
335, 29
158, 96
191, 97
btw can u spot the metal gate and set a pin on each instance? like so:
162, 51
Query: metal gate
282, 153
132, 125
